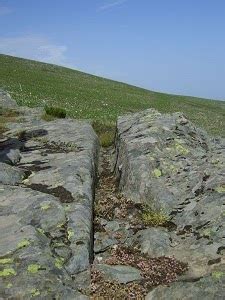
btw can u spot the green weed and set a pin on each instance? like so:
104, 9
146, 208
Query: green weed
151, 217
105, 131
47, 118
56, 112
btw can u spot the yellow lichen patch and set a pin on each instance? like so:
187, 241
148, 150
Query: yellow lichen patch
40, 230
217, 274
207, 232
45, 205
70, 233
151, 158
35, 292
157, 173
173, 168
33, 268
22, 244
67, 207
25, 181
9, 285
215, 161
7, 272
4, 261
220, 189
59, 262
180, 148
168, 168
60, 225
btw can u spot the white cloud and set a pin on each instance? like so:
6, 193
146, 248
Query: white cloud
111, 5
4, 10
52, 53
34, 47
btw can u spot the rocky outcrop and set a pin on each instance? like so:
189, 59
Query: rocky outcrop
158, 223
166, 163
47, 182
6, 100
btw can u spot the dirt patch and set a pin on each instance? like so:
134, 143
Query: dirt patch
154, 271
60, 192
107, 289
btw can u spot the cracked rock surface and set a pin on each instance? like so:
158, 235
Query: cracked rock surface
165, 162
47, 180
152, 229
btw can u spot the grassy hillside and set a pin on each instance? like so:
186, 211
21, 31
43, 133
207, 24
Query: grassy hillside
85, 96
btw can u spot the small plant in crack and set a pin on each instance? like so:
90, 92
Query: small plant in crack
21, 135
106, 132
154, 217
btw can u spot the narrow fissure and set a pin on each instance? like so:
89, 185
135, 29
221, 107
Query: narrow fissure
119, 269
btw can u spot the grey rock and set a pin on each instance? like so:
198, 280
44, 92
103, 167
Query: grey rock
122, 274
6, 101
164, 161
210, 287
10, 175
151, 150
103, 241
82, 280
112, 226
46, 222
10, 151
153, 241
13, 156
79, 261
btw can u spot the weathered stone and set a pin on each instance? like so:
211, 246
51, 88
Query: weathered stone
10, 151
153, 241
123, 274
167, 163
6, 101
210, 287
112, 226
13, 156
10, 175
46, 222
103, 241
150, 155
46, 233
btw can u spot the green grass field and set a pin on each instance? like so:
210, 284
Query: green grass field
33, 83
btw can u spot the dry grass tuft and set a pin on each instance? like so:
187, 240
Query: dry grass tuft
154, 217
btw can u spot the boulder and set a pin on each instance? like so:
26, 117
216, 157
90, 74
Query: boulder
46, 222
210, 287
120, 273
6, 101
10, 175
175, 169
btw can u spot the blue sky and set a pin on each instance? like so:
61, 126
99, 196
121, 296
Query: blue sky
174, 46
